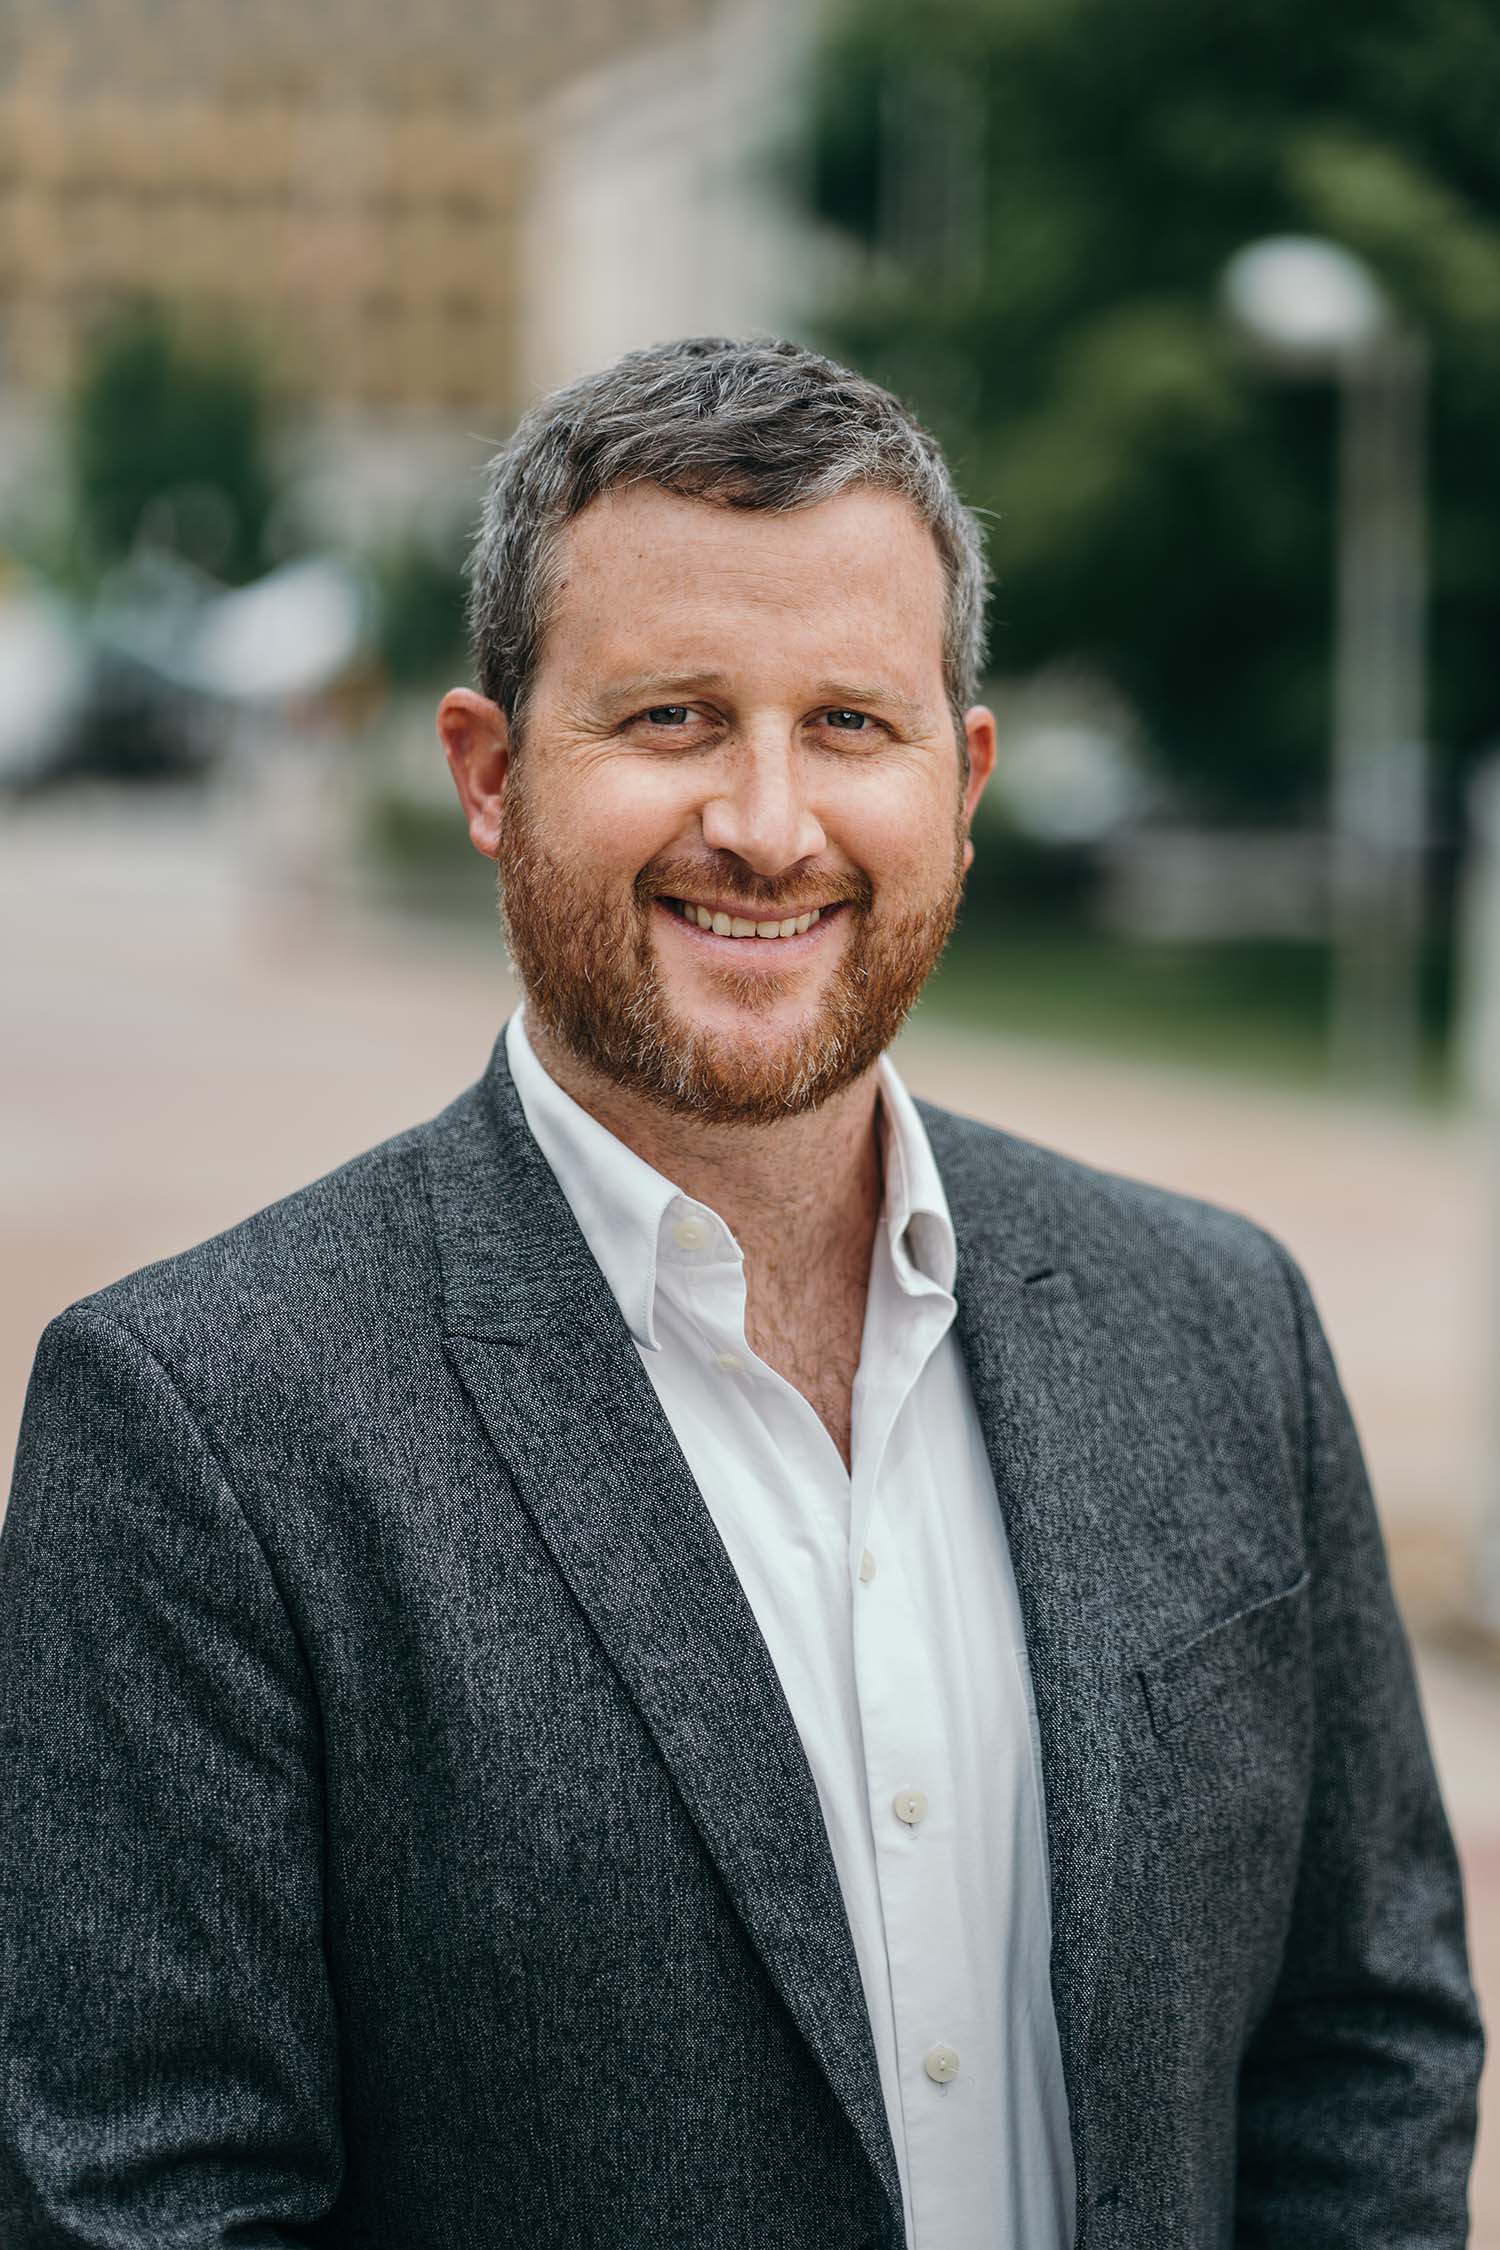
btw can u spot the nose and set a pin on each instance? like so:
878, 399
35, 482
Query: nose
758, 808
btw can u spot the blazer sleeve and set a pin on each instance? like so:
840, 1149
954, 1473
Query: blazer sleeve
1358, 2093
168, 2059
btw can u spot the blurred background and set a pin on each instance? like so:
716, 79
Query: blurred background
1205, 305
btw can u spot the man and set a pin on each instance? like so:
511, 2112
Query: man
693, 1653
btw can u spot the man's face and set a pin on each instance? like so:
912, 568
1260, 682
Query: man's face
738, 722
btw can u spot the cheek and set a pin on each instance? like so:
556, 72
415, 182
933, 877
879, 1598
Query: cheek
624, 817
905, 841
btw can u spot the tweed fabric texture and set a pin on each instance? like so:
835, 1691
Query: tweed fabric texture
406, 1843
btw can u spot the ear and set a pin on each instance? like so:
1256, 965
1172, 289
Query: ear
475, 735
979, 729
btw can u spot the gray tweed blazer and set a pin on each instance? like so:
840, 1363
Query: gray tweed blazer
406, 1842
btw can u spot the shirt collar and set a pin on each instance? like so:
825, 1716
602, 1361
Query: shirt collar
916, 1218
618, 1199
622, 1203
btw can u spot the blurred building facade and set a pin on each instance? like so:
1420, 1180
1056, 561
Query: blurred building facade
435, 210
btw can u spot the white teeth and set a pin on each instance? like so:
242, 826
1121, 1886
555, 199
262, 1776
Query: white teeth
740, 926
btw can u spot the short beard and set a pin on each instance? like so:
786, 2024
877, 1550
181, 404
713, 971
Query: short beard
593, 984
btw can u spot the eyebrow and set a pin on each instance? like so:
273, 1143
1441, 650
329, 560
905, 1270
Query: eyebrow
659, 687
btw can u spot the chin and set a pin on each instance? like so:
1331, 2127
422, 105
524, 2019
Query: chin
737, 1071
722, 1001
764, 1024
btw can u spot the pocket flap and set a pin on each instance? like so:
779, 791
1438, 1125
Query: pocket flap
1183, 1680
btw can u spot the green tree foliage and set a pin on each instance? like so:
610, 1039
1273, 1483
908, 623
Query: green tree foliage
421, 628
167, 439
1046, 192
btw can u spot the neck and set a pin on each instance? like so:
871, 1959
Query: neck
813, 1180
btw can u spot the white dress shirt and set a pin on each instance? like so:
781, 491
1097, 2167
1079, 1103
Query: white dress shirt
886, 1599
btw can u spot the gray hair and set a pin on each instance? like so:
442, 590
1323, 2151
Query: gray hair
764, 424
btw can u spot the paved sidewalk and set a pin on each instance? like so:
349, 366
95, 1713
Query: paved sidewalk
184, 1045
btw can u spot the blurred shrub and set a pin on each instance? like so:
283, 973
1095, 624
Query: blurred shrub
1020, 880
167, 442
1256, 1007
1039, 201
415, 833
419, 854
419, 623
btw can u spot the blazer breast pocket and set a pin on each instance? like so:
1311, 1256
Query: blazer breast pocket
1208, 1669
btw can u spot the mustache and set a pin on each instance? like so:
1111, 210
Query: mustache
723, 875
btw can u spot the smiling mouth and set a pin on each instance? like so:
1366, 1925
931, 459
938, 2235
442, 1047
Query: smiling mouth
721, 924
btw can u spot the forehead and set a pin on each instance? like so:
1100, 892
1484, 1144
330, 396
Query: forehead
837, 585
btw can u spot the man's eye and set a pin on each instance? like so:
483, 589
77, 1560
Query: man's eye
850, 722
668, 714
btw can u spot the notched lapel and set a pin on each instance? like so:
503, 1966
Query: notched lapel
545, 1356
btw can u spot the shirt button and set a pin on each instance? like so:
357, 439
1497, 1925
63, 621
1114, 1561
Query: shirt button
911, 1806
690, 1234
728, 1363
866, 1567
941, 2065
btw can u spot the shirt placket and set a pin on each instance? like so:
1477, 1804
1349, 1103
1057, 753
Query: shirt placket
907, 1768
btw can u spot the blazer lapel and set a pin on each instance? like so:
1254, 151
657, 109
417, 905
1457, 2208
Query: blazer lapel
1022, 1331
545, 1355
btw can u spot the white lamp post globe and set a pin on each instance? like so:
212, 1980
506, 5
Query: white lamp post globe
1307, 301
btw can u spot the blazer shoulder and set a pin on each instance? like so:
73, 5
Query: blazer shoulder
1097, 1221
